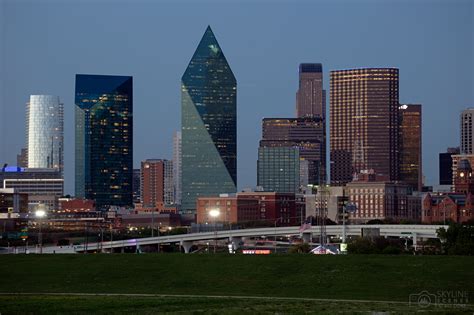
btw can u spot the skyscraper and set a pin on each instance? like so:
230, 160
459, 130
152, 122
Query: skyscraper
411, 171
209, 124
45, 132
104, 139
156, 183
22, 158
311, 103
467, 131
364, 123
278, 169
136, 190
306, 134
177, 167
446, 166
310, 97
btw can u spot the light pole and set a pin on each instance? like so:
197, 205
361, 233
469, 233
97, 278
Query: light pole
152, 221
40, 214
275, 235
214, 213
351, 207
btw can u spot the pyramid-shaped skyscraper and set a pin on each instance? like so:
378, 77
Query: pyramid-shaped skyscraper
209, 124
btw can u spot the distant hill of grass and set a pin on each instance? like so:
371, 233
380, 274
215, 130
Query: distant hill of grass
352, 277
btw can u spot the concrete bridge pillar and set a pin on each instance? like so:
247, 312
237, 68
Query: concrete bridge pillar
186, 245
307, 236
415, 239
235, 241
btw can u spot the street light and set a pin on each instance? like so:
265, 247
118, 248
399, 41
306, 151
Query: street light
40, 213
350, 207
214, 213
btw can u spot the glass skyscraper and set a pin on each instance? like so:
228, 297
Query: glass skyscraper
209, 124
104, 139
278, 169
45, 132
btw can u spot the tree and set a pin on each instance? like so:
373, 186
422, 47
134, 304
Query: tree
458, 239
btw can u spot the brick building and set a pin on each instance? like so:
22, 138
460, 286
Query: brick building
382, 200
259, 207
457, 206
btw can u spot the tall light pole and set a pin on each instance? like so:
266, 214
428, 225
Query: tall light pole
40, 213
348, 207
275, 235
214, 213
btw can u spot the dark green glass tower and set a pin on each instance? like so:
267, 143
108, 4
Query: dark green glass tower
104, 139
209, 124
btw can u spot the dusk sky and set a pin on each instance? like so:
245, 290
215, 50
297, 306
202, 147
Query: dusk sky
45, 43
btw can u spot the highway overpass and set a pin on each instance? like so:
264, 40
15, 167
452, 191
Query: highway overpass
235, 236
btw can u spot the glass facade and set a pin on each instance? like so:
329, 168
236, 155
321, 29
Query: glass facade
104, 139
410, 145
278, 169
364, 127
308, 134
45, 132
209, 124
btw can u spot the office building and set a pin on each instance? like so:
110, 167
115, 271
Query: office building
104, 139
308, 135
252, 208
22, 158
13, 210
364, 123
310, 97
411, 171
446, 166
45, 132
467, 131
177, 167
382, 200
42, 185
209, 125
278, 169
157, 185
136, 185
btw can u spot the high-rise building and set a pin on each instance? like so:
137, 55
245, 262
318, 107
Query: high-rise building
364, 123
177, 167
22, 158
104, 139
278, 169
45, 132
310, 97
411, 171
467, 131
136, 185
305, 133
209, 125
446, 166
156, 183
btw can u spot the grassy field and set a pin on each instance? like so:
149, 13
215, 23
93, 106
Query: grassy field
351, 277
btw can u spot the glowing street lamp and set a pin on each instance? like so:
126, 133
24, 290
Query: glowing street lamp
214, 213
40, 213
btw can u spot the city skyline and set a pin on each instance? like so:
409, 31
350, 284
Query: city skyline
257, 98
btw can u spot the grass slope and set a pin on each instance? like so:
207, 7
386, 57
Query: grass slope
354, 277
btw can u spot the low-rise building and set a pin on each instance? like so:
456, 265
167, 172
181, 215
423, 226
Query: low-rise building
382, 200
13, 210
260, 208
445, 208
42, 185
